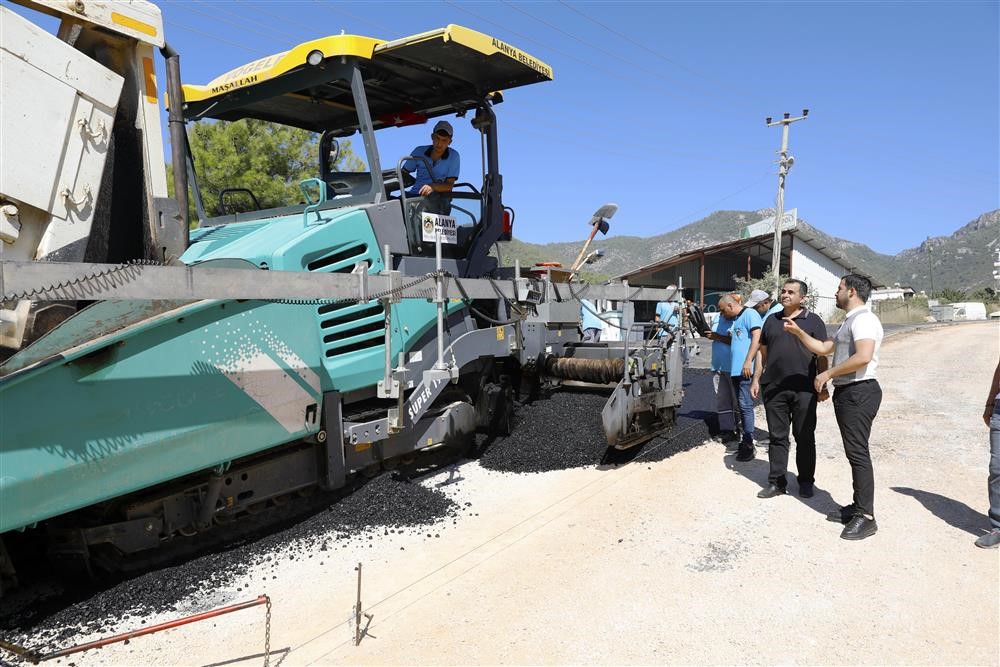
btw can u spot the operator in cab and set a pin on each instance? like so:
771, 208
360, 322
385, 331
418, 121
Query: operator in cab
437, 183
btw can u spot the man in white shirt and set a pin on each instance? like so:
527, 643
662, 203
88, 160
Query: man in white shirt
857, 395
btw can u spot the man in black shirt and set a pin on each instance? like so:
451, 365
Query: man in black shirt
788, 390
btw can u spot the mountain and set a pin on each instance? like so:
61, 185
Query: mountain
623, 253
961, 261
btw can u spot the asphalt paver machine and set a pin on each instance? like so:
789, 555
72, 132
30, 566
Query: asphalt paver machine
306, 345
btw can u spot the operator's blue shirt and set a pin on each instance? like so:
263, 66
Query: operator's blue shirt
589, 319
445, 168
720, 351
776, 308
747, 321
667, 312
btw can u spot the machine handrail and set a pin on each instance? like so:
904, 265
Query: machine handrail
399, 173
313, 206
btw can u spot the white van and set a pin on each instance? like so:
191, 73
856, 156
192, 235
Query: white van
969, 310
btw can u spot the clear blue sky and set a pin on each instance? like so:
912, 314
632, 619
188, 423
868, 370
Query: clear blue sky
660, 106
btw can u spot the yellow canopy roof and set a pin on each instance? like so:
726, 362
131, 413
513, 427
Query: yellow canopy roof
430, 74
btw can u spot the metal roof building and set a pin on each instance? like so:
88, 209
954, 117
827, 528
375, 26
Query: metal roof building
709, 272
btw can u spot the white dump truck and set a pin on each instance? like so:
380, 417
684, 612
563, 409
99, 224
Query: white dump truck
82, 147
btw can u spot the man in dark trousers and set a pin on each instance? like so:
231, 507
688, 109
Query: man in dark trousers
991, 415
787, 387
743, 339
856, 395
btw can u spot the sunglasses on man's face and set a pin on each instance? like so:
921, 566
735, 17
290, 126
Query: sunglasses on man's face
442, 135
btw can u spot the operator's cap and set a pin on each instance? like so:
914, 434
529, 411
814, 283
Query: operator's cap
756, 297
445, 127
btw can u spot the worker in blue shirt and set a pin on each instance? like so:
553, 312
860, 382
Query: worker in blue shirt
765, 306
725, 424
668, 316
444, 163
762, 302
743, 339
591, 324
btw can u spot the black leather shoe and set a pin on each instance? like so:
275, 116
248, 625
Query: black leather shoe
843, 515
771, 491
745, 453
990, 540
859, 527
806, 491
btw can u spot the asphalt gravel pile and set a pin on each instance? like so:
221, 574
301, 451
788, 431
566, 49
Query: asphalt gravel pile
386, 504
387, 501
565, 431
562, 431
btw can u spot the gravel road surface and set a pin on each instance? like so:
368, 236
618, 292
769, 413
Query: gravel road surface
665, 556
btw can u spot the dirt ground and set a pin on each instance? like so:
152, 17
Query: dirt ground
674, 561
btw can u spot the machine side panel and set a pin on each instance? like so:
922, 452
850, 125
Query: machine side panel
187, 395
351, 335
387, 221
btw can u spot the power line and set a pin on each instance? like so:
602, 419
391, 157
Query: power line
634, 42
633, 155
517, 34
618, 141
923, 159
617, 74
642, 46
571, 106
213, 36
273, 34
604, 151
253, 4
955, 174
720, 200
381, 26
570, 142
591, 45
297, 24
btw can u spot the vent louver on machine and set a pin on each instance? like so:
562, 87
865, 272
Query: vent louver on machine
341, 261
348, 327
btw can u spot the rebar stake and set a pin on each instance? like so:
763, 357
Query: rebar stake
357, 611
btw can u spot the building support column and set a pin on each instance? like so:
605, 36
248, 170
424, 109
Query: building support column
701, 281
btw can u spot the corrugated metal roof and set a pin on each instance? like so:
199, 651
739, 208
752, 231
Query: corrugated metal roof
799, 232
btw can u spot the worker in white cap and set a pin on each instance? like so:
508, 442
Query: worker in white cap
762, 302
444, 163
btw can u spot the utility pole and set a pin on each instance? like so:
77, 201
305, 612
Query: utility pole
930, 266
785, 162
996, 267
